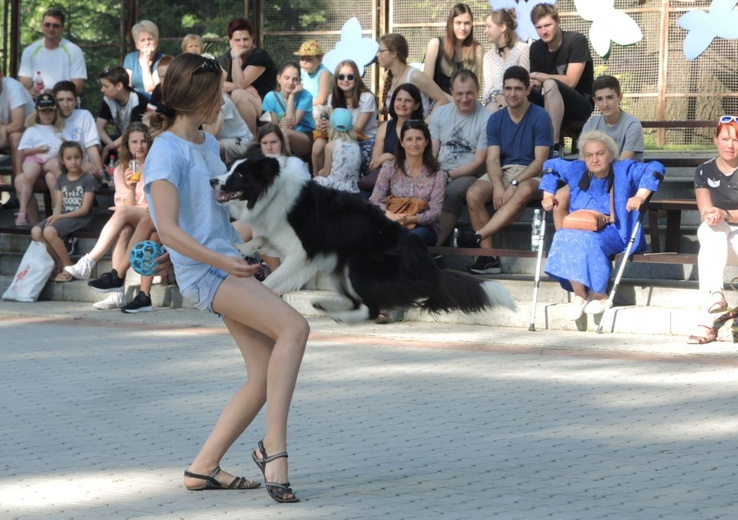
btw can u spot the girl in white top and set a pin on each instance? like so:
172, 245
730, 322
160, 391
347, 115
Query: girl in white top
392, 56
39, 145
350, 92
509, 50
211, 273
342, 157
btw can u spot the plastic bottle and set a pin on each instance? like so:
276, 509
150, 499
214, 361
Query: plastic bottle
110, 169
456, 237
38, 81
535, 230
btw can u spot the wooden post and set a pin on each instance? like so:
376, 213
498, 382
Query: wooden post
663, 69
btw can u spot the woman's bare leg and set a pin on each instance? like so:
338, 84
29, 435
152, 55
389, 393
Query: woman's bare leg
271, 336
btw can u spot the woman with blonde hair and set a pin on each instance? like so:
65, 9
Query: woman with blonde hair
509, 50
392, 56
213, 275
456, 50
141, 63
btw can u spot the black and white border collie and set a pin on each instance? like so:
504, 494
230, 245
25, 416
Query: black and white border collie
376, 264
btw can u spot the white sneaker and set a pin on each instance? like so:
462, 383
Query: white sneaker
82, 269
115, 300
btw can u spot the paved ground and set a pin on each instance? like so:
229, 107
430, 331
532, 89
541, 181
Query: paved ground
100, 412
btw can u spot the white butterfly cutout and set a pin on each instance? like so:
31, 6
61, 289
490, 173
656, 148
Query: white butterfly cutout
608, 24
351, 46
526, 30
703, 27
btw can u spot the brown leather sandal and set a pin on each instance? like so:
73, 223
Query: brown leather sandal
708, 336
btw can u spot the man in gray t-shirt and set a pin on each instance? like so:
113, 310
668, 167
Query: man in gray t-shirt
459, 134
624, 128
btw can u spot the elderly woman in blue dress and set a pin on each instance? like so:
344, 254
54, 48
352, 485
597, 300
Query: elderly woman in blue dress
580, 260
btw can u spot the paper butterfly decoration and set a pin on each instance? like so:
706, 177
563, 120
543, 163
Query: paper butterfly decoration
608, 24
526, 30
721, 21
351, 46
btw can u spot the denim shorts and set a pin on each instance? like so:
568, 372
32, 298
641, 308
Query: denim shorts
202, 292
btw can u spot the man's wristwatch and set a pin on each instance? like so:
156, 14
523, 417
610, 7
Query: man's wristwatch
514, 183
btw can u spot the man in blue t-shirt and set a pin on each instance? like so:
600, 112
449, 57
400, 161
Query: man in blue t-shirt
519, 140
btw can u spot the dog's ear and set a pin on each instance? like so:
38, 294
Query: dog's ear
254, 152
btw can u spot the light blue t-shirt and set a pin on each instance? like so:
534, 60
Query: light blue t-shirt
189, 167
274, 101
311, 82
627, 133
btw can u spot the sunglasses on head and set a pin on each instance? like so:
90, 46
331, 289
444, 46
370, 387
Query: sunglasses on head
209, 65
50, 25
347, 77
728, 119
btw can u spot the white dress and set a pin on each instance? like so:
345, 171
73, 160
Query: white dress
345, 166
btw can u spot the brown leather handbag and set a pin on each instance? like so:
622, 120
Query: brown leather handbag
405, 206
586, 220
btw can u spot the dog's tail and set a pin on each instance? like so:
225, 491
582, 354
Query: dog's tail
466, 293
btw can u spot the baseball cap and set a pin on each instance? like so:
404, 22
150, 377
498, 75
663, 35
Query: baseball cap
46, 102
309, 48
342, 120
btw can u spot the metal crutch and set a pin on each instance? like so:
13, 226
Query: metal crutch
608, 304
532, 326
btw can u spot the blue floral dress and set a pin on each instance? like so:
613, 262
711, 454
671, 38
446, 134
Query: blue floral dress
584, 256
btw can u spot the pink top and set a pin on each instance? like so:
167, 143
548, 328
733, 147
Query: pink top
123, 193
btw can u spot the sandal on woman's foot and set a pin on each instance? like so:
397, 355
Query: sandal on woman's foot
63, 276
707, 336
21, 219
717, 303
276, 491
212, 483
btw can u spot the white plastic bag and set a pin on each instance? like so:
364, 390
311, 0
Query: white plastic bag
33, 273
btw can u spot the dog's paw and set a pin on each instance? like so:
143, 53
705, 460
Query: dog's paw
246, 249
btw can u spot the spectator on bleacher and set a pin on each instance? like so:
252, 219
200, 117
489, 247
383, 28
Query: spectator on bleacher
519, 140
392, 56
349, 91
342, 154
291, 108
250, 71
625, 129
561, 71
141, 63
40, 148
192, 43
272, 143
129, 212
459, 133
15, 106
74, 195
121, 106
315, 77
406, 104
161, 70
509, 50
415, 174
715, 187
56, 58
232, 133
580, 260
456, 50
80, 125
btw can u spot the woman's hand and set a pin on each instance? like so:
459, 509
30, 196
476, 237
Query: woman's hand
162, 264
287, 122
385, 157
713, 216
146, 54
633, 203
238, 267
549, 203
394, 217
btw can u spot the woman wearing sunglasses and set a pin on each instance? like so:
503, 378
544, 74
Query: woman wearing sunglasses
716, 190
414, 174
349, 92
213, 275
